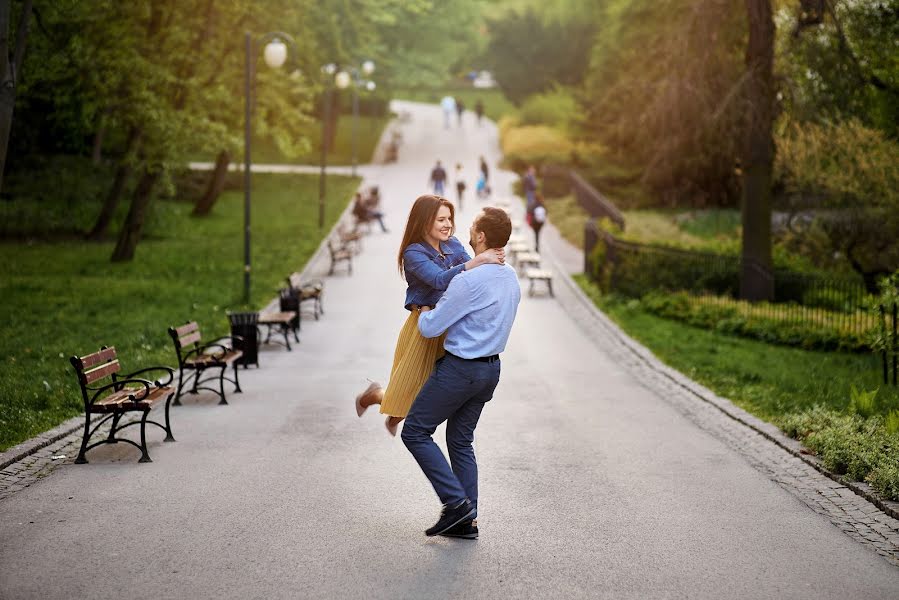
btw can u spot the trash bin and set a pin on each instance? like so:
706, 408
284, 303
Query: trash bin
290, 302
244, 325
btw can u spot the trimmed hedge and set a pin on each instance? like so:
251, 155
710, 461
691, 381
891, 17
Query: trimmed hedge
748, 320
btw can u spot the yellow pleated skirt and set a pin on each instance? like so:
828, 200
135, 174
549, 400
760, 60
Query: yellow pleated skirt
413, 361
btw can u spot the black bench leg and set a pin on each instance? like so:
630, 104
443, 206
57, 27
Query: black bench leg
285, 329
168, 424
115, 423
177, 401
236, 380
145, 456
222, 385
550, 284
81, 460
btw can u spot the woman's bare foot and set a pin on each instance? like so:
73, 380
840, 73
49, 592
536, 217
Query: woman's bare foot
373, 394
392, 423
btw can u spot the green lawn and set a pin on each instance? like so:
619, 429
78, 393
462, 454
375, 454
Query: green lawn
495, 102
368, 132
64, 298
766, 380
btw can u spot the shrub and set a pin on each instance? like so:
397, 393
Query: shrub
862, 449
535, 145
557, 108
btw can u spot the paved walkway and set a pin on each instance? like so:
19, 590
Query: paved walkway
601, 475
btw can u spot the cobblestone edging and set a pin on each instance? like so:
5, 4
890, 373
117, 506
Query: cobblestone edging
854, 508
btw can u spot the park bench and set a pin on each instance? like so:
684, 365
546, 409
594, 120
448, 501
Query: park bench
339, 254
310, 291
527, 260
535, 275
285, 321
352, 238
195, 359
120, 395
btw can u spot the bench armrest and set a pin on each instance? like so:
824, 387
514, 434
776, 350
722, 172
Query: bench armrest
169, 370
202, 350
118, 384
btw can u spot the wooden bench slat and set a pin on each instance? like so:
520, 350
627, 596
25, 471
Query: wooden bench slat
184, 329
101, 372
276, 318
120, 400
187, 340
97, 357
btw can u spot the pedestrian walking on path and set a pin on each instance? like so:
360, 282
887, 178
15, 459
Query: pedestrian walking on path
479, 110
483, 186
448, 105
529, 183
473, 320
460, 110
438, 179
430, 257
460, 185
536, 217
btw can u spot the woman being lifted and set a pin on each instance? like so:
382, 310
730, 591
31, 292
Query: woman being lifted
429, 257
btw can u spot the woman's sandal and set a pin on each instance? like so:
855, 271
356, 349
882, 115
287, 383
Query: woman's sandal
361, 404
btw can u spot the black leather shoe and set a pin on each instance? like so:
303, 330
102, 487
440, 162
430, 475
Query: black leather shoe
450, 517
467, 530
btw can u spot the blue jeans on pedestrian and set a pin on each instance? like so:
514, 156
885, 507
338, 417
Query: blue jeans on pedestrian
456, 393
438, 188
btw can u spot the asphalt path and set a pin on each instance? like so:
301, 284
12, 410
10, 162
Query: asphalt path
592, 486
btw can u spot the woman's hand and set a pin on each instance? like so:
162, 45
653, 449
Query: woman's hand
494, 256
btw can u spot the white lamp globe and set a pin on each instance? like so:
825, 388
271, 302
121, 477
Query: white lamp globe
370, 86
368, 67
275, 53
342, 79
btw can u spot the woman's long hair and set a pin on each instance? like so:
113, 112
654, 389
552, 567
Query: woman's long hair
421, 219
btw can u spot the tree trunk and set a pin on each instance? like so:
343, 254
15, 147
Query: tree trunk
216, 185
118, 187
134, 223
756, 281
9, 72
97, 153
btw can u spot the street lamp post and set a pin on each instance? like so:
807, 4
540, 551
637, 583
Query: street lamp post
275, 54
368, 67
341, 80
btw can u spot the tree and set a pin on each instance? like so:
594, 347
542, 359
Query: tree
11, 58
529, 54
756, 280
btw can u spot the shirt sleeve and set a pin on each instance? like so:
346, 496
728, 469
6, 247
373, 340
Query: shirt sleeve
453, 305
420, 264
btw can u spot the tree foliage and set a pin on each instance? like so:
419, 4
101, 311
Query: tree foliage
530, 50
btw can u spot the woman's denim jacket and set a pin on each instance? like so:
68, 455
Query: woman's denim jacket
428, 274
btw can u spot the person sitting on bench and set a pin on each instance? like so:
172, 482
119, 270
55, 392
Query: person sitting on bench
364, 213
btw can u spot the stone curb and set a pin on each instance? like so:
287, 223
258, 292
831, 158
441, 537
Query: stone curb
28, 447
736, 413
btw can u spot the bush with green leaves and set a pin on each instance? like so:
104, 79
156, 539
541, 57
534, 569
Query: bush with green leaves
862, 449
557, 108
757, 321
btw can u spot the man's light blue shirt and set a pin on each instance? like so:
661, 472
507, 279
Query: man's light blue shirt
476, 311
